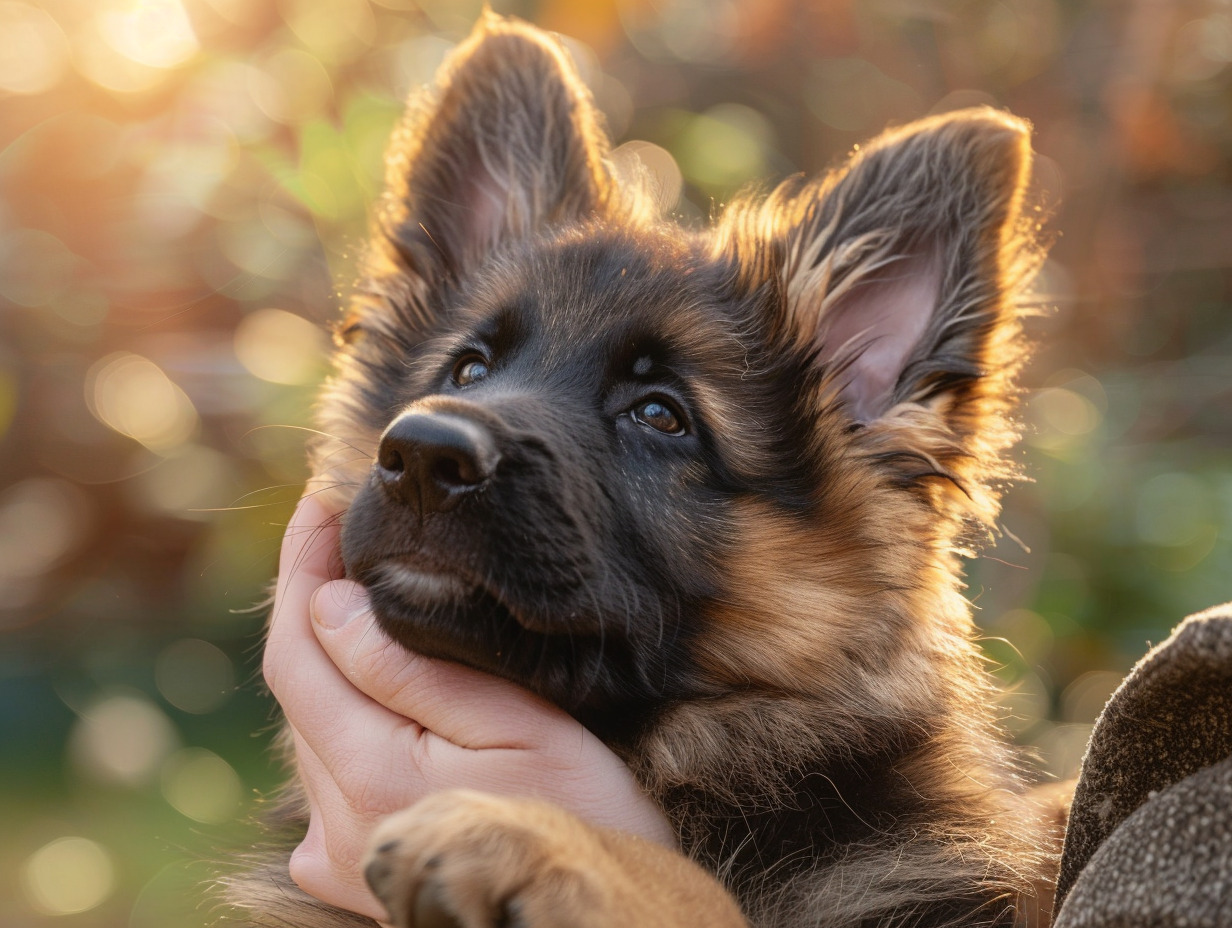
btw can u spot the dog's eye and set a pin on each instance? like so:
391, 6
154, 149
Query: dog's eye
470, 368
660, 415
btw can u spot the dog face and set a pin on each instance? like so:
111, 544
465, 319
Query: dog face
550, 496
627, 465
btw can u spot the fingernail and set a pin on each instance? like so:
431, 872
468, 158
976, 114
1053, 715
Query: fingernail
336, 603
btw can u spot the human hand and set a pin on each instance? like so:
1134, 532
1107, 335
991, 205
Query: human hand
377, 728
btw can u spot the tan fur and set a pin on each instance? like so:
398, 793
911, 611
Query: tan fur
777, 634
467, 853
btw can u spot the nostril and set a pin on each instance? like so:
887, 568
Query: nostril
390, 459
449, 471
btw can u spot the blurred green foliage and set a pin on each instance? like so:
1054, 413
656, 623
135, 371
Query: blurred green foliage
183, 187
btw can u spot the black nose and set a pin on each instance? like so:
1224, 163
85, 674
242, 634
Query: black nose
431, 460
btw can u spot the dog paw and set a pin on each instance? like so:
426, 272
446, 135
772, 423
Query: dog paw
462, 859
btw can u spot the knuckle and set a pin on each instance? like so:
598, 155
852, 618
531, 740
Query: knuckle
319, 869
271, 668
305, 868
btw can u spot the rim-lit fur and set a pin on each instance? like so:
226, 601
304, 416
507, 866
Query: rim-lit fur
827, 745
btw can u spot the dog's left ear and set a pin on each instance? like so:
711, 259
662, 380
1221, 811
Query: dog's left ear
901, 273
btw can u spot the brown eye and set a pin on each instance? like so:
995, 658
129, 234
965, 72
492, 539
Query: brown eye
470, 368
660, 415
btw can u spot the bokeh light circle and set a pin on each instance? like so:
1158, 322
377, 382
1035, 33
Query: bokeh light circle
67, 876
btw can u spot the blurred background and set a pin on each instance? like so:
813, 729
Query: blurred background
183, 187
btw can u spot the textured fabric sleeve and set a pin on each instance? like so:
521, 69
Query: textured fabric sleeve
1168, 864
1132, 814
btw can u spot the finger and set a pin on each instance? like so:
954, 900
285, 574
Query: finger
326, 863
353, 736
316, 698
461, 705
309, 549
305, 563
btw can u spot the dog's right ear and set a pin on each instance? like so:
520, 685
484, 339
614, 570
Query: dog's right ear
508, 140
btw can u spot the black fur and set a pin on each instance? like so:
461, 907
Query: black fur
593, 554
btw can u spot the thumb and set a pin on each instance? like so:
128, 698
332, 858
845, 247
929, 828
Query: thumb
464, 706
334, 604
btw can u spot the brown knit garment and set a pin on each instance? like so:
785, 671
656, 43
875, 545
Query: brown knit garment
1150, 834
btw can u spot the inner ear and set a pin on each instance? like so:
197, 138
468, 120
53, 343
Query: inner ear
481, 197
870, 332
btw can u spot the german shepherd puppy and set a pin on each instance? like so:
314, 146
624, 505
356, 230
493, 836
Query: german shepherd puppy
707, 491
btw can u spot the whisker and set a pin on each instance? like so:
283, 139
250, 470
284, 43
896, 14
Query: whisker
311, 431
277, 502
313, 532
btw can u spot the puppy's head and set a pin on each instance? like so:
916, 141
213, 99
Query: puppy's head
623, 463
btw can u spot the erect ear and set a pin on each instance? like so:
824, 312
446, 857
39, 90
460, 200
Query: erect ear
508, 140
901, 274
903, 266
